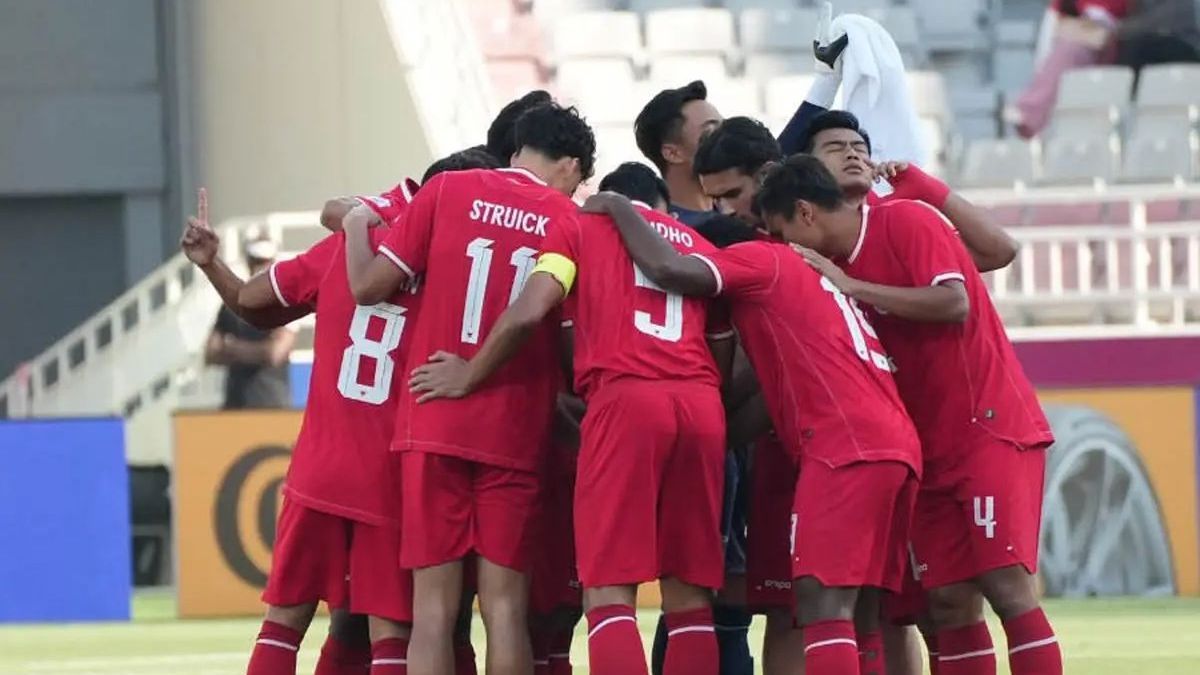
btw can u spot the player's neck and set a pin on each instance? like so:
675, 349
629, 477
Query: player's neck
543, 169
686, 191
844, 232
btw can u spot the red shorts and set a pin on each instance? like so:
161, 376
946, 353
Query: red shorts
554, 582
905, 607
453, 506
850, 524
650, 484
769, 527
979, 512
319, 556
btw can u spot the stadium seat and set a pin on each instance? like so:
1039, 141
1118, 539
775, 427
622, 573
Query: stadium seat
865, 7
1057, 215
1076, 161
929, 96
512, 78
957, 25
997, 163
1008, 215
766, 65
607, 104
1013, 58
504, 34
975, 112
598, 34
1170, 84
690, 31
905, 29
782, 95
1151, 157
777, 30
735, 97
1095, 87
738, 5
614, 145
1082, 124
688, 67
645, 6
549, 11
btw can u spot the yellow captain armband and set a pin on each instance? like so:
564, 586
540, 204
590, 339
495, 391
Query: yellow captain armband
558, 266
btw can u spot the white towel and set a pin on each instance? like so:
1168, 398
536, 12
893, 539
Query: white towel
875, 89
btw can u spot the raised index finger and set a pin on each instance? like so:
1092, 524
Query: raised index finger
202, 205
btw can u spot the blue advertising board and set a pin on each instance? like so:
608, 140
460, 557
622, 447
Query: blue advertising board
64, 521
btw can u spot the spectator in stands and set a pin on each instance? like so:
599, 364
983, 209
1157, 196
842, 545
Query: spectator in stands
256, 360
1159, 31
1082, 34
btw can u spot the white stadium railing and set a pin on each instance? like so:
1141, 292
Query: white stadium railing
141, 357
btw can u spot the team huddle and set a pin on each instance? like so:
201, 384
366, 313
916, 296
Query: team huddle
747, 377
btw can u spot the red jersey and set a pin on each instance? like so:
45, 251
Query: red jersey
825, 377
957, 379
340, 464
474, 237
390, 205
625, 325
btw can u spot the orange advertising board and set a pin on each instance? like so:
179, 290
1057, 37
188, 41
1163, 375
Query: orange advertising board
229, 467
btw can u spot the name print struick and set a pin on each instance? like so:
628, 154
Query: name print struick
509, 217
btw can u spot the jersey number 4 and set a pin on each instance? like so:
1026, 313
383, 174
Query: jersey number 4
480, 253
860, 328
379, 351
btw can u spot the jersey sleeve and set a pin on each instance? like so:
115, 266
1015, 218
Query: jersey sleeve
407, 243
297, 280
391, 204
743, 270
924, 243
560, 251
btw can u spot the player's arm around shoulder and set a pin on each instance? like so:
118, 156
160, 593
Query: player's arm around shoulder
653, 255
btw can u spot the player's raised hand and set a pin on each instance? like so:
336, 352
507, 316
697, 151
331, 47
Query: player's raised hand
199, 241
826, 49
445, 376
825, 266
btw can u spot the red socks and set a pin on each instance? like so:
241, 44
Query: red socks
389, 657
275, 650
966, 651
1032, 647
830, 648
560, 652
870, 653
341, 658
691, 643
464, 659
614, 643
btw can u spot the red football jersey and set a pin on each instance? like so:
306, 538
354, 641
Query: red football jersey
625, 325
340, 464
824, 375
390, 205
474, 237
956, 379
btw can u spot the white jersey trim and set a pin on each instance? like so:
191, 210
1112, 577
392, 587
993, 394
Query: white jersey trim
691, 629
948, 276
1033, 645
830, 643
524, 172
391, 255
967, 655
609, 620
275, 285
716, 272
277, 643
862, 235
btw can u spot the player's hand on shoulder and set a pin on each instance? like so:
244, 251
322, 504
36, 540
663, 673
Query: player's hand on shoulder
825, 267
359, 216
603, 202
199, 241
445, 376
889, 170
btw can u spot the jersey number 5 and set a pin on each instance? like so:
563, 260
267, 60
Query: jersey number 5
859, 327
379, 351
480, 253
671, 329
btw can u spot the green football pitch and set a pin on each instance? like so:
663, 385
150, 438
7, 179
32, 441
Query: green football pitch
1100, 637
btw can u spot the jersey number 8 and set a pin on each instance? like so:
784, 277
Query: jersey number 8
379, 351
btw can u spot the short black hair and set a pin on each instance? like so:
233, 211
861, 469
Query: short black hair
501, 141
638, 182
738, 143
662, 118
557, 132
800, 177
721, 230
476, 157
831, 119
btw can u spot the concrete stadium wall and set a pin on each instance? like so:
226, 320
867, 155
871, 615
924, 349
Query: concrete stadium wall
294, 102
